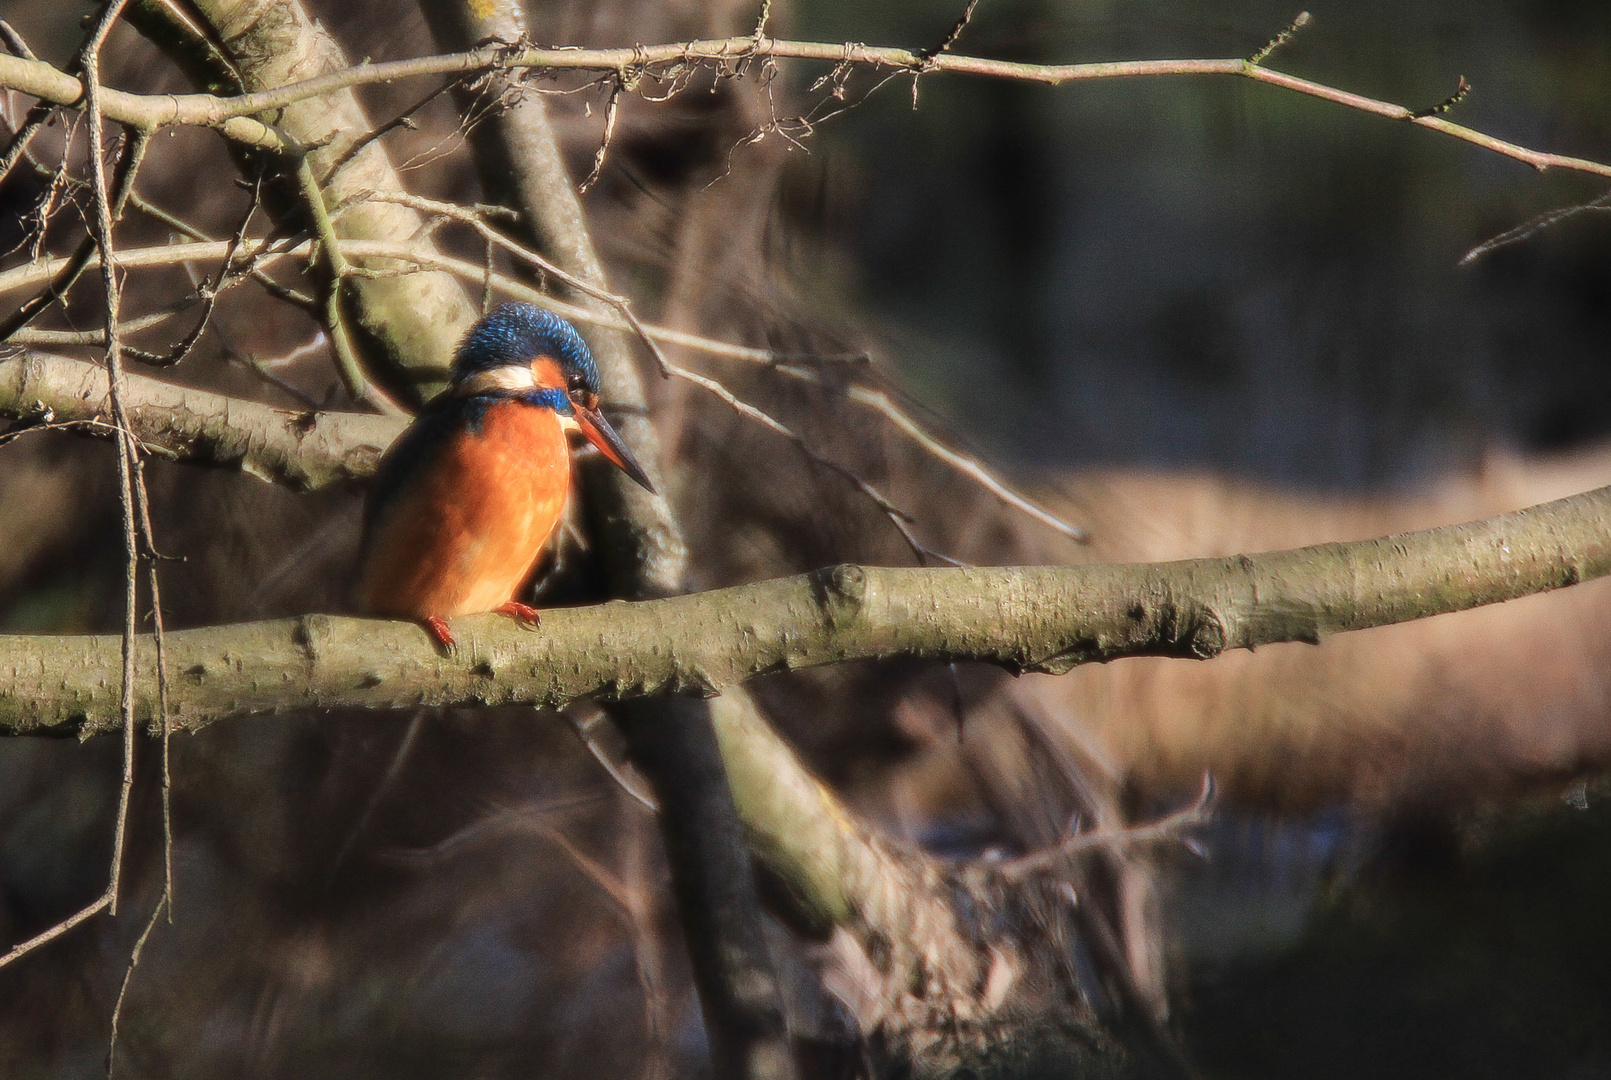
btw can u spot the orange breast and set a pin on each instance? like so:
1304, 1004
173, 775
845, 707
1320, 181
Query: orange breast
467, 531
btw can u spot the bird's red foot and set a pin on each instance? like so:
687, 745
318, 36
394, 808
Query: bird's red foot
437, 627
523, 612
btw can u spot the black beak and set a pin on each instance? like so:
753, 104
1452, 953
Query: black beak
599, 432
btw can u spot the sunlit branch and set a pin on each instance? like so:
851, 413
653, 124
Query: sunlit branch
233, 115
1042, 619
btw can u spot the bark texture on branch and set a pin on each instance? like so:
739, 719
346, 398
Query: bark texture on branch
414, 321
1025, 619
301, 450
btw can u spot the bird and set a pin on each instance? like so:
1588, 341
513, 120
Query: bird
463, 503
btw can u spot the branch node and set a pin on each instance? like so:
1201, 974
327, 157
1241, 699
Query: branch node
1209, 636
841, 591
926, 57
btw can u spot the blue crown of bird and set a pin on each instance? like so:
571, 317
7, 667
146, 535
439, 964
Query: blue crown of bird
465, 500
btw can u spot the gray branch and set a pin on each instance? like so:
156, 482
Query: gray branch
1024, 619
301, 450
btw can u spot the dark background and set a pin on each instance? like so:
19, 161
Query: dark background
1205, 272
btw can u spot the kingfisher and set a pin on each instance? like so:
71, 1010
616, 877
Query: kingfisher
464, 501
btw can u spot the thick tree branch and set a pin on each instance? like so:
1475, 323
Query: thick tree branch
1045, 619
302, 450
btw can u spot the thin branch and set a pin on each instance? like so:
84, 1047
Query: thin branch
209, 292
952, 36
56, 292
128, 976
56, 931
31, 124
231, 115
152, 558
585, 718
348, 365
1535, 225
14, 42
880, 402
1280, 39
179, 225
404, 119
69, 338
33, 273
127, 451
611, 110
1170, 829
1460, 91
901, 519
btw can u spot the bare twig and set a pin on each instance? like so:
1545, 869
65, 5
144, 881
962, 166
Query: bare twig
163, 905
125, 439
880, 402
152, 558
348, 365
404, 119
952, 36
56, 292
232, 115
1166, 829
68, 338
585, 717
1280, 39
897, 517
1535, 225
37, 116
276, 289
1459, 95
56, 931
611, 110
14, 43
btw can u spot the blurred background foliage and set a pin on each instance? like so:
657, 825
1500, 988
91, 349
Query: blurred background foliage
1211, 282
